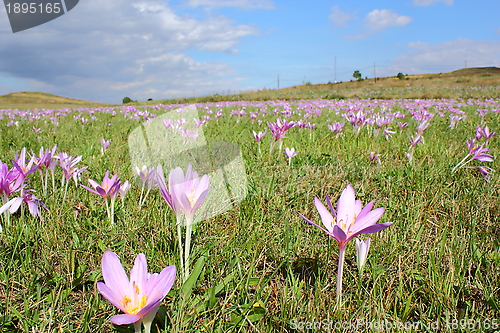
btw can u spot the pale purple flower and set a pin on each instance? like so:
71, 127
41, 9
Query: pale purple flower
105, 145
349, 221
258, 136
374, 157
290, 152
23, 167
414, 141
336, 128
164, 190
138, 296
10, 180
110, 187
188, 191
484, 132
69, 166
124, 188
29, 199
485, 171
362, 248
402, 125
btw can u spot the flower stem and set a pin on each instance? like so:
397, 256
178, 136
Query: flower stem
461, 164
339, 275
179, 239
187, 246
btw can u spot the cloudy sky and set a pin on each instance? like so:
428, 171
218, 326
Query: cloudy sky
106, 50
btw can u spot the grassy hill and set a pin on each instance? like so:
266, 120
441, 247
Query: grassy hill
41, 100
440, 85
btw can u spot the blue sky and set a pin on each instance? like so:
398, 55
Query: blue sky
106, 50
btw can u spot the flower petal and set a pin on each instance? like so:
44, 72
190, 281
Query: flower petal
139, 273
326, 217
371, 229
346, 206
125, 319
314, 224
367, 220
111, 295
114, 274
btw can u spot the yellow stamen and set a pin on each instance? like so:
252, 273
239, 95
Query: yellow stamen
126, 300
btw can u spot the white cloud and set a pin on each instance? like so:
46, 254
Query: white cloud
245, 4
137, 50
339, 17
446, 56
380, 19
430, 2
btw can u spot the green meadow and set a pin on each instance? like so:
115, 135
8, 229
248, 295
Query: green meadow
259, 267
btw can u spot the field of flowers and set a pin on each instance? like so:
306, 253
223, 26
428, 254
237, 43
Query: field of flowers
256, 204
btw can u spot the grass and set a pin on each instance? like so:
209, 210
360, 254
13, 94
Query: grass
261, 267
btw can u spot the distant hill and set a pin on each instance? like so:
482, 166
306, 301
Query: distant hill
31, 100
466, 77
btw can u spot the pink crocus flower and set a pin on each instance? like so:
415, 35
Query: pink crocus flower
23, 167
139, 296
69, 166
29, 199
110, 187
105, 144
258, 136
349, 221
362, 248
290, 153
485, 172
188, 192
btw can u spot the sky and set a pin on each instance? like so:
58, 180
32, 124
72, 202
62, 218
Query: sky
104, 51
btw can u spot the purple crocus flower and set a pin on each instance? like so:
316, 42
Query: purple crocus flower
290, 153
69, 166
139, 296
110, 187
105, 145
258, 136
336, 128
349, 221
23, 167
189, 191
28, 198
164, 190
10, 180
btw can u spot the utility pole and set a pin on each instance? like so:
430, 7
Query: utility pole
278, 81
374, 72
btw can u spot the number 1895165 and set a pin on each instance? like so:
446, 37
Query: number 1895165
33, 8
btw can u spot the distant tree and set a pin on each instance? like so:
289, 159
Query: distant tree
150, 99
127, 100
356, 75
401, 76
